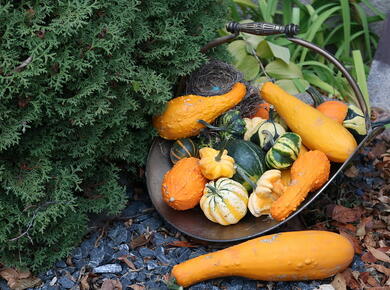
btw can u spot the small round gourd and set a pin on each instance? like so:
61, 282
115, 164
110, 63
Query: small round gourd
183, 148
224, 201
267, 133
284, 152
355, 121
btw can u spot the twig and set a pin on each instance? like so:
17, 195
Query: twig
30, 224
25, 63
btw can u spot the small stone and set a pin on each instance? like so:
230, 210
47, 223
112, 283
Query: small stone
80, 263
119, 234
96, 257
61, 264
142, 218
151, 265
146, 252
109, 268
109, 276
134, 208
141, 277
53, 281
152, 223
123, 247
66, 282
77, 254
161, 256
76, 275
3, 285
120, 254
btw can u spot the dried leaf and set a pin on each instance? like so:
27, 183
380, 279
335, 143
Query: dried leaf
372, 281
369, 240
140, 240
354, 241
111, 285
379, 255
346, 215
352, 172
339, 282
381, 269
367, 257
129, 263
19, 280
84, 282
137, 287
350, 279
364, 226
181, 244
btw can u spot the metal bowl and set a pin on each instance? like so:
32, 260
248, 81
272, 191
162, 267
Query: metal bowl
193, 222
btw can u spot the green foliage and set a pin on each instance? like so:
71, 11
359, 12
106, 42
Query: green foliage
340, 26
79, 82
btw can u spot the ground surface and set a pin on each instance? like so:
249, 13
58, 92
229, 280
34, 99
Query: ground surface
137, 250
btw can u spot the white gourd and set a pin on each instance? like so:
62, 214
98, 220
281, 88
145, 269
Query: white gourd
252, 125
224, 201
269, 188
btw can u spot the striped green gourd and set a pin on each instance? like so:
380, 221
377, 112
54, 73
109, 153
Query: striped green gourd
284, 152
355, 121
183, 148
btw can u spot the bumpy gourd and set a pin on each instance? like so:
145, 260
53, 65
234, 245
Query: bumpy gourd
335, 110
262, 111
183, 148
224, 201
269, 188
183, 185
252, 126
308, 173
288, 256
180, 119
317, 131
216, 163
284, 152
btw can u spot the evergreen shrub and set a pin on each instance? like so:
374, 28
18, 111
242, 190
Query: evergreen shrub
79, 82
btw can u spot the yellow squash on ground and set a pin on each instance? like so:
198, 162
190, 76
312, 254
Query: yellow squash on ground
290, 256
317, 131
180, 119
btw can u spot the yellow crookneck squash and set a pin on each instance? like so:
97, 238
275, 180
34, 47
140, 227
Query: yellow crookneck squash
318, 132
180, 119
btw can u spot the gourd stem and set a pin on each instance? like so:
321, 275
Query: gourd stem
208, 125
213, 190
315, 95
219, 156
241, 172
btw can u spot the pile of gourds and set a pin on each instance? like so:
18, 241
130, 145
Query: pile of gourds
278, 156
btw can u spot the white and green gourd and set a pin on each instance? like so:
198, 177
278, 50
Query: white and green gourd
224, 201
284, 152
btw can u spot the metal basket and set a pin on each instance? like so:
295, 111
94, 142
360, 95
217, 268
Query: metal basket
193, 222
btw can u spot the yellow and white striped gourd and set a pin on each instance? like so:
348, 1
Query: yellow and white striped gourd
224, 201
269, 188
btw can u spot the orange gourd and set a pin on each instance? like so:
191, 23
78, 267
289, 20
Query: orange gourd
180, 119
302, 150
335, 110
262, 111
183, 185
289, 256
308, 173
318, 132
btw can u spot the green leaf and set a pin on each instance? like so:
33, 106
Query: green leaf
249, 67
301, 85
374, 9
253, 40
317, 82
287, 11
295, 18
268, 49
346, 13
315, 63
237, 49
361, 75
288, 86
246, 3
364, 21
280, 70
